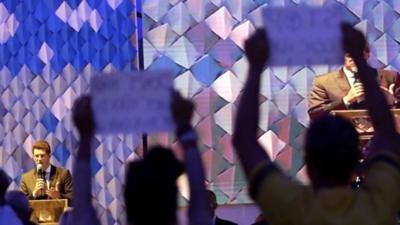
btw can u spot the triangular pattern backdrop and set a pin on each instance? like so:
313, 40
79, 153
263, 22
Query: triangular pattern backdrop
202, 42
49, 49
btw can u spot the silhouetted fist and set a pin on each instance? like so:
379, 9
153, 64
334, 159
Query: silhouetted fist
182, 109
257, 48
83, 116
353, 41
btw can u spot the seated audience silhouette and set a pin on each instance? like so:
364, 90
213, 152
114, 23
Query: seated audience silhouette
7, 214
212, 198
20, 204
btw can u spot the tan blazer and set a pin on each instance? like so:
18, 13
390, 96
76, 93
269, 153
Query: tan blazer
59, 178
329, 89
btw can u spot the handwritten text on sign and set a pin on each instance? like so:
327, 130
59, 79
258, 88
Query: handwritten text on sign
304, 35
132, 103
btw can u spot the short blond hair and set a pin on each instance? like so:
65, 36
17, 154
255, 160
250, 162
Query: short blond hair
42, 145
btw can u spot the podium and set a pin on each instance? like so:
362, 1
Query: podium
362, 122
47, 212
363, 125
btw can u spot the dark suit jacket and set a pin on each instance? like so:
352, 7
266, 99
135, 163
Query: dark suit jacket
219, 221
329, 89
59, 177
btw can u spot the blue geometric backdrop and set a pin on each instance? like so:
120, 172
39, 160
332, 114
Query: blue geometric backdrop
49, 49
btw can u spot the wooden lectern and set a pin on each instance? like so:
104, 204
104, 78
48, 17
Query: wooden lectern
47, 211
362, 122
363, 125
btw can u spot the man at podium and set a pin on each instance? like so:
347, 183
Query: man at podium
46, 181
341, 89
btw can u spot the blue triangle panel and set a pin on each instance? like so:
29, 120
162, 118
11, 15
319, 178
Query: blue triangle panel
49, 121
98, 41
165, 63
31, 24
55, 42
78, 62
54, 23
106, 29
42, 11
73, 3
35, 65
86, 32
98, 61
14, 66
10, 5
4, 54
104, 9
126, 8
127, 28
21, 12
24, 55
22, 34
43, 33
33, 45
87, 51
206, 70
95, 165
57, 63
61, 153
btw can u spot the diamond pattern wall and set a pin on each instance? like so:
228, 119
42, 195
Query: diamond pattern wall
203, 41
49, 49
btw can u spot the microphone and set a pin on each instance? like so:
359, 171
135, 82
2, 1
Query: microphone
39, 169
40, 175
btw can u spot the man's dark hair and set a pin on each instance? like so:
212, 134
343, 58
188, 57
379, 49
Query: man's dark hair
331, 149
151, 188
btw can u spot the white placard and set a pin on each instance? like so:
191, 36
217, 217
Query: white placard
132, 103
304, 35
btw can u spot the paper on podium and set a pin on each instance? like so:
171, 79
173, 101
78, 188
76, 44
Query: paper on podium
132, 102
304, 35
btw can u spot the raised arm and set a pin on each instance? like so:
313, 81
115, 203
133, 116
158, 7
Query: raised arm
199, 208
382, 119
83, 212
249, 151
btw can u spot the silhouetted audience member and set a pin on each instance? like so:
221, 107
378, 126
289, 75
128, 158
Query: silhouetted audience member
260, 220
212, 198
83, 212
330, 155
20, 204
151, 191
65, 218
7, 214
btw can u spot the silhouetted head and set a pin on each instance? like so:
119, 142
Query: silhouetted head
151, 191
212, 199
4, 183
331, 151
19, 203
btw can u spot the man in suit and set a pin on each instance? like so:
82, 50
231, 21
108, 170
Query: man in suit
212, 198
46, 181
340, 89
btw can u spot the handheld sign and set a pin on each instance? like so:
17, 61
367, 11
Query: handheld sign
132, 103
304, 35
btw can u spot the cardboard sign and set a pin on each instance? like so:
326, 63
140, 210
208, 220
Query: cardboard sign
304, 35
132, 103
